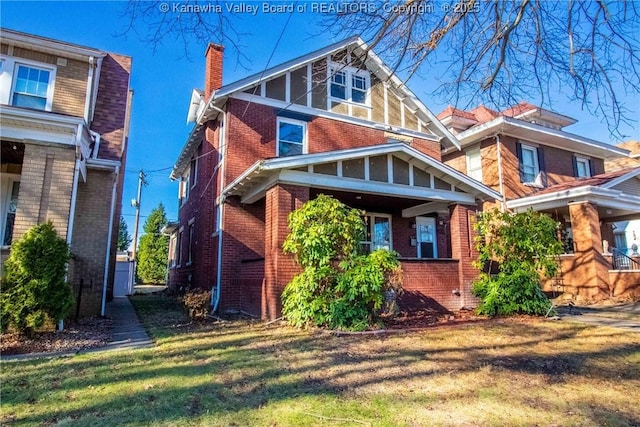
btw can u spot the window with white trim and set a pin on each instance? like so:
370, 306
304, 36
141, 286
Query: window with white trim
184, 187
583, 168
25, 83
178, 256
190, 245
474, 164
378, 232
529, 164
349, 84
194, 171
291, 137
172, 249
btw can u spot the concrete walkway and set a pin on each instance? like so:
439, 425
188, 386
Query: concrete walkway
622, 316
127, 334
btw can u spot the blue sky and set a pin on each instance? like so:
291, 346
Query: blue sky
163, 80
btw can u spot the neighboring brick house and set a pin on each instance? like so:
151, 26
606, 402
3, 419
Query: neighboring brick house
335, 121
525, 154
64, 126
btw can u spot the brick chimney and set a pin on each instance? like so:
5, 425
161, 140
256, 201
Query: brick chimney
213, 72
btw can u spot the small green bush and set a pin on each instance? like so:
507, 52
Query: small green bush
197, 303
34, 287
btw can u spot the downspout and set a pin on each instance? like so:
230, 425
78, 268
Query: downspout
96, 148
223, 148
89, 95
108, 255
500, 178
96, 85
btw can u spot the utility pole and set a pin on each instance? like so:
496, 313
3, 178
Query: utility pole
136, 204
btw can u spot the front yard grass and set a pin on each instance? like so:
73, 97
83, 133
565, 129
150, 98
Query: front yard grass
495, 373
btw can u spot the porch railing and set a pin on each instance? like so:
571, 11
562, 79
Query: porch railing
622, 261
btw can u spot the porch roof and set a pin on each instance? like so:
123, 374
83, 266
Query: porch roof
617, 194
446, 185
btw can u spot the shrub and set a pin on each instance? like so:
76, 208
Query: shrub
524, 246
197, 303
34, 287
338, 288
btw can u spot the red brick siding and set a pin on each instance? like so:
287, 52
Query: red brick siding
252, 136
110, 117
430, 284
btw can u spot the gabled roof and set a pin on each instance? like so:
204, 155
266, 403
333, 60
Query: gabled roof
210, 108
373, 63
46, 45
262, 175
606, 190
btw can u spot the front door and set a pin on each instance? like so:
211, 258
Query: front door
426, 237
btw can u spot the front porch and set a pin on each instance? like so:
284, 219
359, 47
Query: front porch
593, 269
429, 225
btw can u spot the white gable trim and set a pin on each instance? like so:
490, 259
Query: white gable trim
627, 176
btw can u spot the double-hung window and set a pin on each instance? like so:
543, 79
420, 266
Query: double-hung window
529, 165
582, 167
292, 135
31, 87
474, 164
349, 84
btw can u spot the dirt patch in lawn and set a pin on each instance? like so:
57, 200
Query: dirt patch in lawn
90, 332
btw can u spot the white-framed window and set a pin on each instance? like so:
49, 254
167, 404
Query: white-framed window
474, 164
529, 166
349, 84
583, 167
172, 249
184, 187
26, 84
178, 256
291, 137
378, 232
194, 171
190, 244
10, 192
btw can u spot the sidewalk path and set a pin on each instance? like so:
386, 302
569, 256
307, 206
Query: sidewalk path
127, 331
622, 316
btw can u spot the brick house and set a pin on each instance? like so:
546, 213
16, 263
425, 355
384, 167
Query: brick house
525, 154
64, 114
335, 121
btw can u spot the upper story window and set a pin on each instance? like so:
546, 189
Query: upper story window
194, 172
349, 84
184, 187
582, 167
474, 164
291, 137
26, 84
31, 87
529, 164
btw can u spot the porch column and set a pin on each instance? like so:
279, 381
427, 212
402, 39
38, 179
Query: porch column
46, 184
463, 249
590, 268
279, 268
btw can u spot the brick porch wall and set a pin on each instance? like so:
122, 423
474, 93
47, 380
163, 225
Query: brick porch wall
430, 284
46, 185
279, 268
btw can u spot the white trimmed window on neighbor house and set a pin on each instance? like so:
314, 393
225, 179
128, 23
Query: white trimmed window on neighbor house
26, 84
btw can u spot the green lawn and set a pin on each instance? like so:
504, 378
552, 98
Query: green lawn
501, 372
